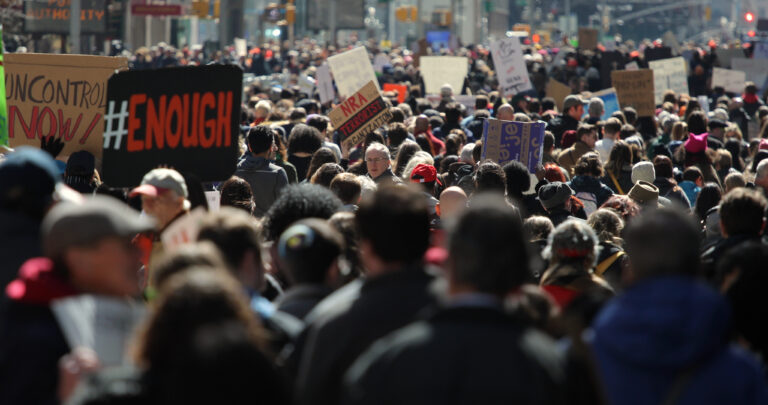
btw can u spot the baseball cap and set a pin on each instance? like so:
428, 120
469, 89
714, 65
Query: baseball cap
71, 224
424, 173
159, 180
571, 101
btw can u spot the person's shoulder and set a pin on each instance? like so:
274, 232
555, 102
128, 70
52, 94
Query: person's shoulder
335, 304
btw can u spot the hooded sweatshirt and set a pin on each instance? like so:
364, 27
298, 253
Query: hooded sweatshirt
659, 328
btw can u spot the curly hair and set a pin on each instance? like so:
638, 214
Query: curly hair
298, 202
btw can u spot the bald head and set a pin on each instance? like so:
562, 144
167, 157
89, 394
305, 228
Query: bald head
506, 113
422, 123
452, 201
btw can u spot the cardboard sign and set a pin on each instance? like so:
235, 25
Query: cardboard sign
755, 69
504, 141
663, 52
360, 115
401, 89
52, 16
731, 80
669, 74
635, 89
510, 66
587, 38
58, 95
610, 100
352, 70
324, 83
187, 118
439, 70
558, 91
106, 325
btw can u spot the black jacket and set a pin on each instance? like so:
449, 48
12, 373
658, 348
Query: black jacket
300, 299
21, 241
266, 180
560, 124
461, 355
344, 324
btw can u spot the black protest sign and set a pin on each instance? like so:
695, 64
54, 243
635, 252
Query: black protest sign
662, 52
609, 62
186, 118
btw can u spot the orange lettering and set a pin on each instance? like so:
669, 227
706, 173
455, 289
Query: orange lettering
155, 123
134, 123
224, 119
173, 136
207, 139
190, 138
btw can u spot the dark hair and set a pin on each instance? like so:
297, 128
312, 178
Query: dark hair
318, 122
304, 139
692, 173
663, 242
487, 248
424, 143
186, 257
537, 227
627, 130
589, 165
708, 197
260, 139
405, 152
298, 201
621, 155
452, 113
607, 224
237, 193
612, 125
395, 221
619, 116
344, 222
481, 102
477, 151
490, 177
517, 179
630, 115
446, 163
452, 144
234, 233
398, 116
435, 121
697, 122
584, 129
320, 157
742, 212
347, 187
325, 173
308, 248
662, 165
549, 140
626, 207
397, 134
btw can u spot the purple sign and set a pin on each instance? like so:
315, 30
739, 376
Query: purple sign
504, 141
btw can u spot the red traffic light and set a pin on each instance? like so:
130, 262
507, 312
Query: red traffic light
751, 33
749, 17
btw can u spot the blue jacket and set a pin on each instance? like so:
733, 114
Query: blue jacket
660, 327
691, 191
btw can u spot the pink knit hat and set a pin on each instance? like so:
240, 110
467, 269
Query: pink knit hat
696, 143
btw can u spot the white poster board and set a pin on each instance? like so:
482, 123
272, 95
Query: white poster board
379, 61
439, 70
306, 85
324, 83
214, 200
352, 70
510, 66
241, 47
755, 69
731, 80
669, 74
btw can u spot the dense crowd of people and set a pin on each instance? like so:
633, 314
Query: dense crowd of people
406, 269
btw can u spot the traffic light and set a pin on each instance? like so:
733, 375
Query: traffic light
749, 17
751, 33
200, 8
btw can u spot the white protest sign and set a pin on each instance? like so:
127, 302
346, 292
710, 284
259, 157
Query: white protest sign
467, 100
183, 230
510, 66
731, 80
352, 70
631, 66
669, 74
380, 61
324, 83
306, 85
241, 47
104, 324
439, 70
214, 200
755, 69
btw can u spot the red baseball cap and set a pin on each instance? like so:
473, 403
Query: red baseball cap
424, 173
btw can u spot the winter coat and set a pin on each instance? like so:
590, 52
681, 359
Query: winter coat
590, 191
266, 181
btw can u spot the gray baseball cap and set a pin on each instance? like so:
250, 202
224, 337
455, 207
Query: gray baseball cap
571, 101
158, 180
72, 224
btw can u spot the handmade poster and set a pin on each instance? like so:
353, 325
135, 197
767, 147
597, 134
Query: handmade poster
635, 89
360, 114
558, 91
325, 84
63, 96
669, 74
352, 70
756, 70
186, 118
504, 141
731, 80
587, 38
510, 66
439, 70
400, 89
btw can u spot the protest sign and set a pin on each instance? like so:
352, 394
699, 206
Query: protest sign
662, 52
731, 80
47, 16
504, 141
103, 324
3, 106
756, 70
400, 89
63, 96
669, 74
635, 89
352, 70
467, 100
360, 114
632, 66
420, 49
214, 200
587, 38
610, 100
241, 47
306, 85
510, 66
611, 61
184, 230
761, 51
439, 70
558, 91
186, 118
725, 56
324, 83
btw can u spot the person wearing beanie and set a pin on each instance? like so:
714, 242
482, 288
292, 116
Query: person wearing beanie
694, 153
555, 197
643, 171
573, 109
572, 252
80, 173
